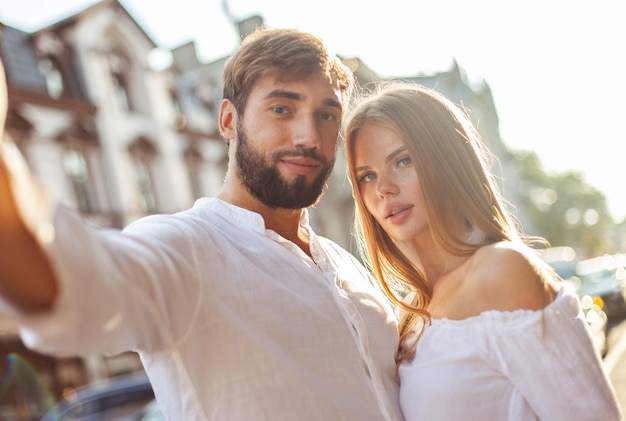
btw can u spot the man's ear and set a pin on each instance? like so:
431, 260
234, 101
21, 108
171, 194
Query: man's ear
228, 120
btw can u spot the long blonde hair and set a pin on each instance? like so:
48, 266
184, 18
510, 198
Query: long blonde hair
453, 167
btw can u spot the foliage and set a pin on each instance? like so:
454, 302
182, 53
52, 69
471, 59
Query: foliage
564, 208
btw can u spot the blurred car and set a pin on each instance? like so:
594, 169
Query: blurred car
124, 398
604, 277
563, 261
597, 321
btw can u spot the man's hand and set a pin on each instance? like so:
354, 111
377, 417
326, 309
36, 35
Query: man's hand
26, 276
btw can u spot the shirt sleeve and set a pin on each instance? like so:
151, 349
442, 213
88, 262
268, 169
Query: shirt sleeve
552, 363
119, 291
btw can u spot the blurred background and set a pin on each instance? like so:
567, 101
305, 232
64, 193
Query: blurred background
114, 106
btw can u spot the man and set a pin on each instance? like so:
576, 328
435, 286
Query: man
236, 308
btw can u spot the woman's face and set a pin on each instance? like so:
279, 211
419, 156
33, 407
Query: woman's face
388, 183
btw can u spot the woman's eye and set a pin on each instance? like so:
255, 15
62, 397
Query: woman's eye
405, 162
366, 178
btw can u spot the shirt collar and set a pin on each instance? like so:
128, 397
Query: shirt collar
242, 216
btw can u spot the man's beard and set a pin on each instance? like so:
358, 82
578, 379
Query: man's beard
261, 178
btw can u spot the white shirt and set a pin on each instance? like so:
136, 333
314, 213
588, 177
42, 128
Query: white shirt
231, 321
522, 365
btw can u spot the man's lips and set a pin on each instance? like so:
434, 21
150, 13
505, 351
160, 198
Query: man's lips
301, 165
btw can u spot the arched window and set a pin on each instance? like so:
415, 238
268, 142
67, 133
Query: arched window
75, 166
121, 80
53, 77
79, 141
120, 92
142, 154
143, 178
52, 53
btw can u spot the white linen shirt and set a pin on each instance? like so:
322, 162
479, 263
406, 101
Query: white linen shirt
231, 321
522, 365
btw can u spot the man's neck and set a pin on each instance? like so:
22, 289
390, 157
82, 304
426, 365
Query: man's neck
285, 222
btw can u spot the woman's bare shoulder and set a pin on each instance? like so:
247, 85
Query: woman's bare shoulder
509, 276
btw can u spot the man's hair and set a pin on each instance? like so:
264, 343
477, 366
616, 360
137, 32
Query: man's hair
289, 54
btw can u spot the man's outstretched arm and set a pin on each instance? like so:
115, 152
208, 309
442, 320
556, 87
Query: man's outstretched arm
26, 276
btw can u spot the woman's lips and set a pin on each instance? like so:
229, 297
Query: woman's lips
397, 214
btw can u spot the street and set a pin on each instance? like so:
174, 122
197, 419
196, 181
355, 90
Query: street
615, 361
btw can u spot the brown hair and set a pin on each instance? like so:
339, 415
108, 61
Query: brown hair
288, 53
453, 167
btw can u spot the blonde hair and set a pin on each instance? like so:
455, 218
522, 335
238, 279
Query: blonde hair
453, 168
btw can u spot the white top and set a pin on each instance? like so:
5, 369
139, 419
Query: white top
522, 365
231, 321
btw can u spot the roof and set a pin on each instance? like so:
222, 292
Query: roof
19, 59
72, 19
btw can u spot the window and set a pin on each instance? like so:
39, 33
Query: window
193, 158
120, 93
75, 166
143, 178
52, 76
142, 154
120, 68
53, 54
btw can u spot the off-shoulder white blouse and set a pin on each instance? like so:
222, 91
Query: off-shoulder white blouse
520, 365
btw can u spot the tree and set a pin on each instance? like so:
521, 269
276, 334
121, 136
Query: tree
564, 208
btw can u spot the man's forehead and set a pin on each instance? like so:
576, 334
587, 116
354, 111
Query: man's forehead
300, 88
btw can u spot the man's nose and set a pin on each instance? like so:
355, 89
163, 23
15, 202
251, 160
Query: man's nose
307, 133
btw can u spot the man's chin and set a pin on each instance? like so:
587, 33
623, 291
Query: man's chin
293, 199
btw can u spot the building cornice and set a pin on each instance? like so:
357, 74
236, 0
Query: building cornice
18, 94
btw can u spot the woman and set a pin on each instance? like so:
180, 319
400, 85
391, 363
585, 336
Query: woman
488, 331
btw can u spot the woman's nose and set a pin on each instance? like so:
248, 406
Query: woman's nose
386, 187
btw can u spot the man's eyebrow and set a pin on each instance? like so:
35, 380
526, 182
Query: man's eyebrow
281, 93
330, 102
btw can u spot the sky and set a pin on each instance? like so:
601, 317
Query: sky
556, 68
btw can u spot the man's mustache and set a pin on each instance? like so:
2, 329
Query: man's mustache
300, 152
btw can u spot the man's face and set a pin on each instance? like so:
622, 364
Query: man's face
286, 141
260, 175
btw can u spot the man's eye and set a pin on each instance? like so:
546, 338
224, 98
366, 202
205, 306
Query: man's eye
328, 116
279, 110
